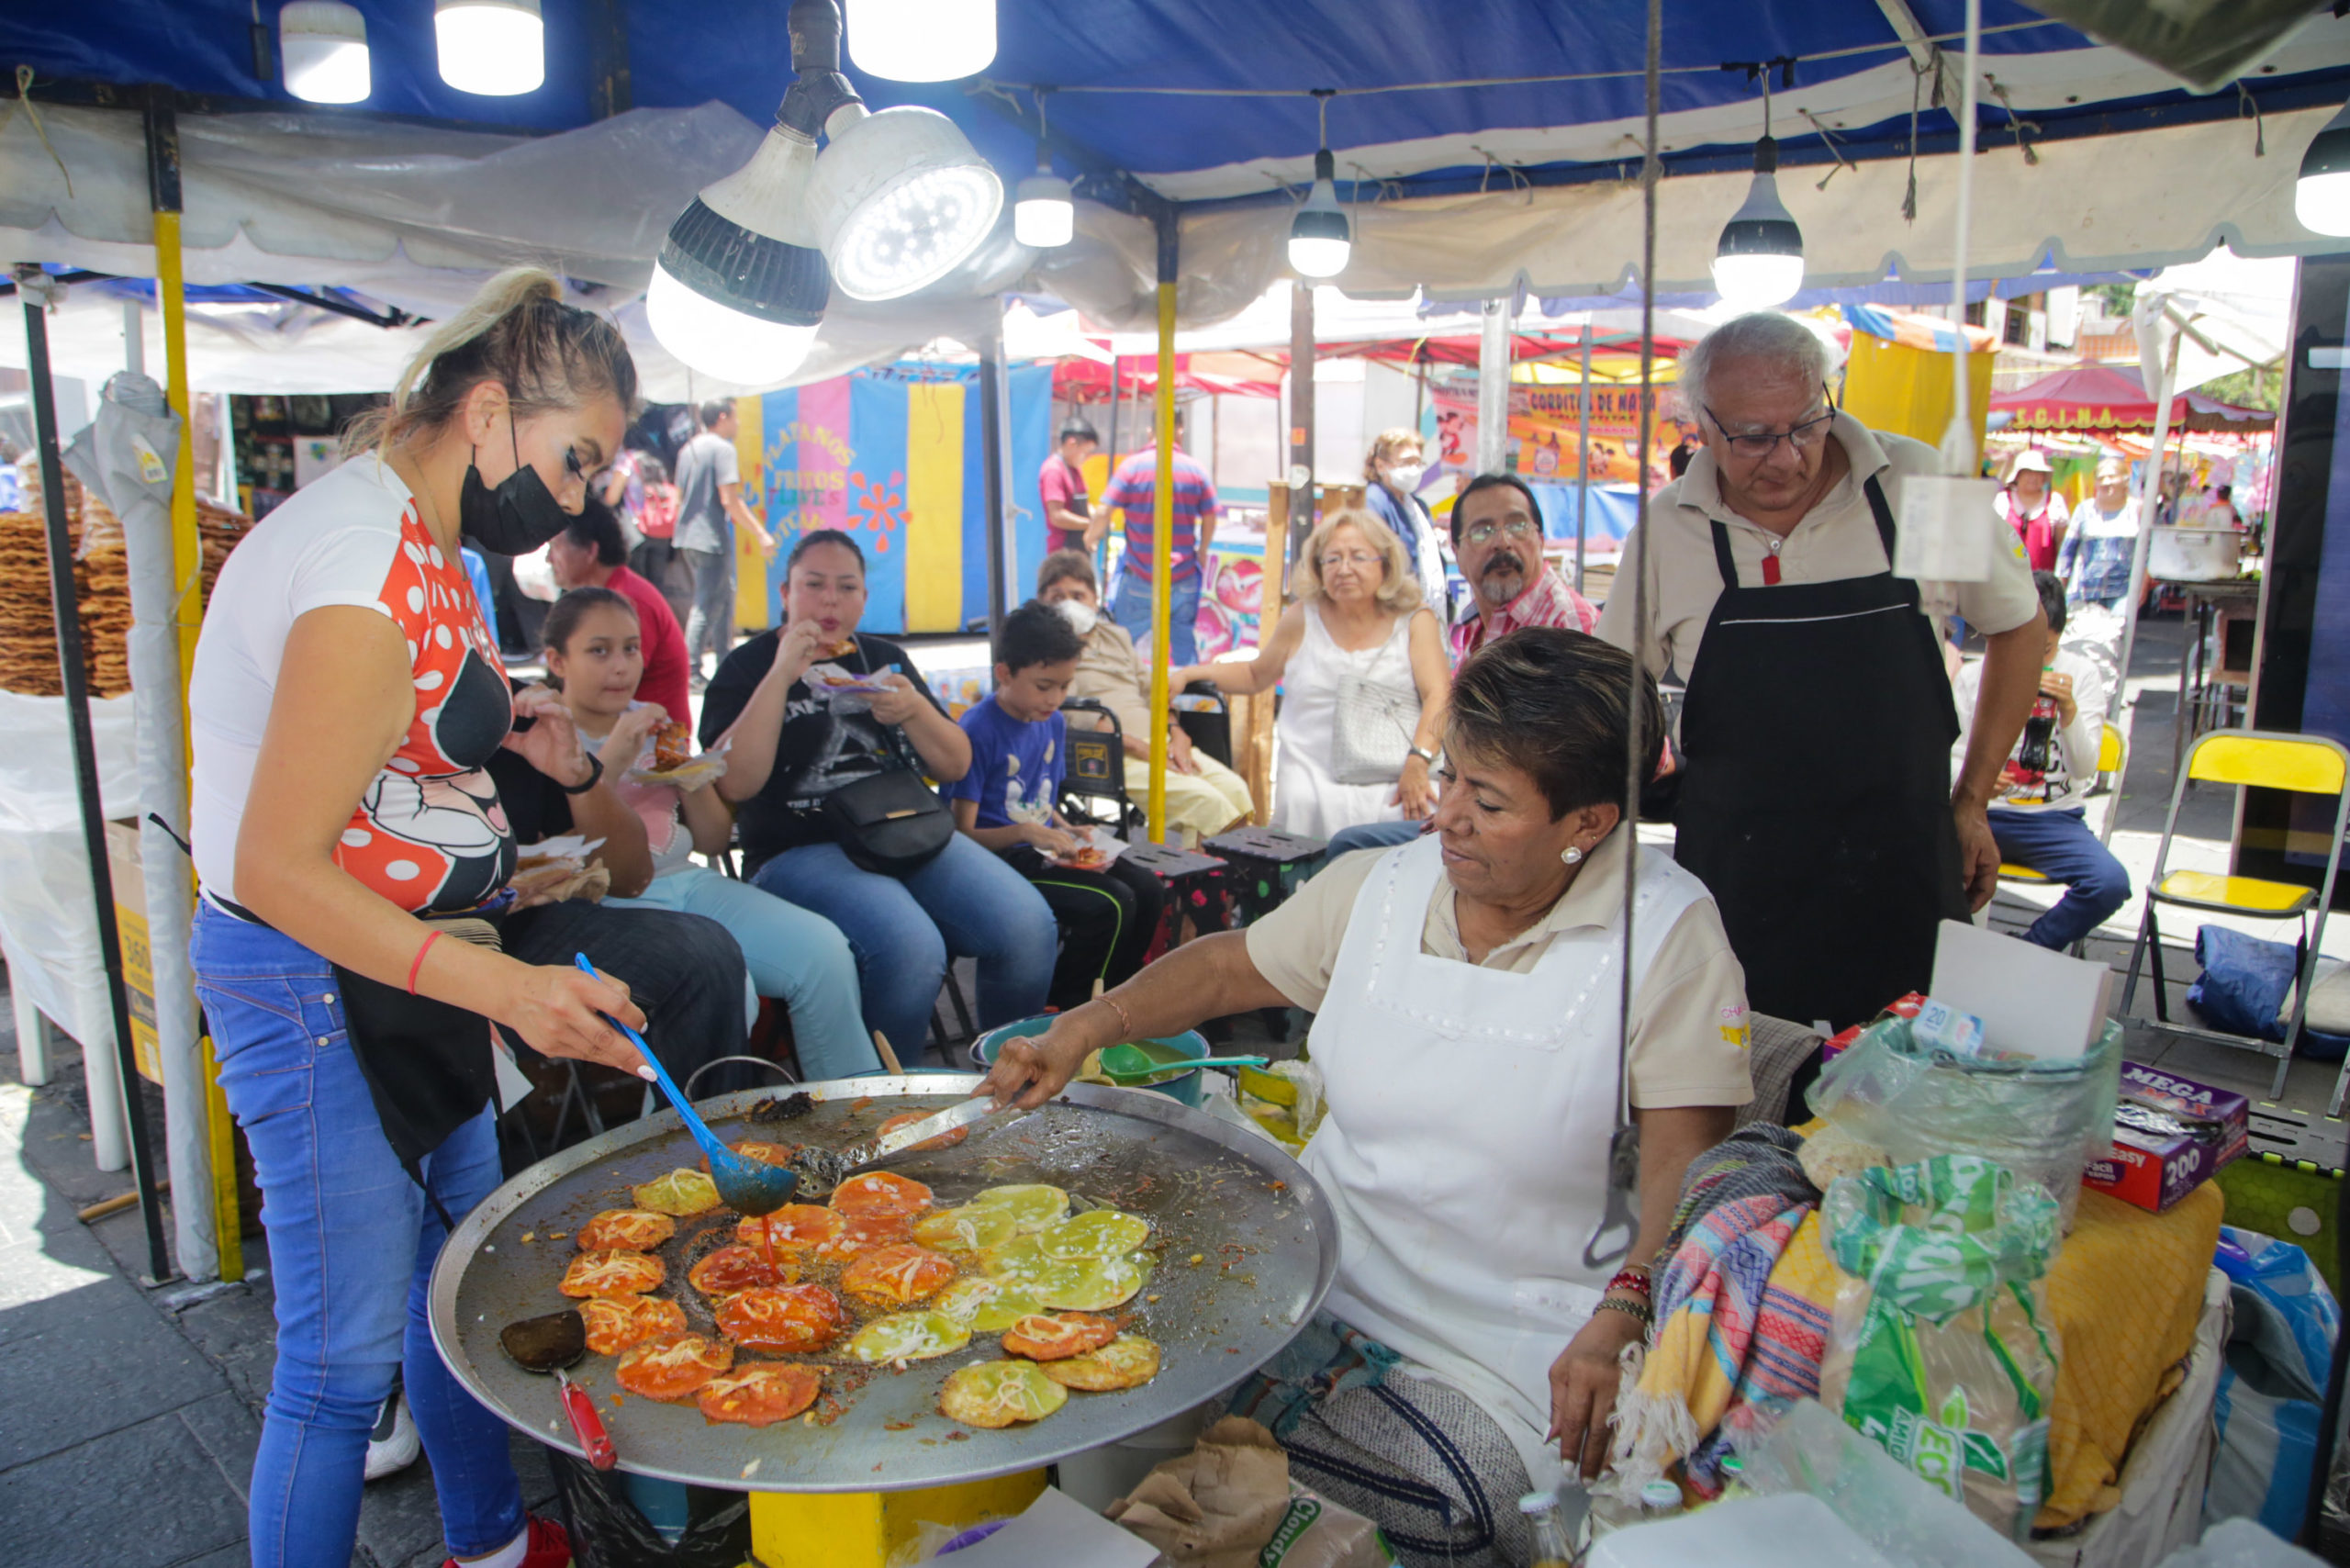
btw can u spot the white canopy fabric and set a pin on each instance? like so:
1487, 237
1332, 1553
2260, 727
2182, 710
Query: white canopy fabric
2226, 311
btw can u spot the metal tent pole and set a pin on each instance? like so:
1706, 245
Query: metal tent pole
2148, 506
1162, 528
66, 601
991, 467
1583, 457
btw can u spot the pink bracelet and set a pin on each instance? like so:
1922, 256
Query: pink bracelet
417, 964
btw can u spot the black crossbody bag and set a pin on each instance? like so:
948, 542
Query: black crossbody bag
890, 823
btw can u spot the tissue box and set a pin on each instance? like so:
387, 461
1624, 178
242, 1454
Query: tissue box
2170, 1135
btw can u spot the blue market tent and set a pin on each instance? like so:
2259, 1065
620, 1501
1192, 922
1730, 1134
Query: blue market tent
1487, 146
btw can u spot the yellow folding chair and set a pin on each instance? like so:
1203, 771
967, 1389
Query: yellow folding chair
2306, 765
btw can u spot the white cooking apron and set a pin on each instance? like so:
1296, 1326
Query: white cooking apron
1465, 1146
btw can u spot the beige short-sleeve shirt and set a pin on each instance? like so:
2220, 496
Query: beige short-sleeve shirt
1690, 1032
1837, 539
1109, 673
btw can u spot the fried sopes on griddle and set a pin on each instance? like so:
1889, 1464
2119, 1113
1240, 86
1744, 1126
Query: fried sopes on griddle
731, 1268
897, 1275
791, 1319
998, 1394
613, 1273
1051, 1336
684, 1193
760, 1394
1127, 1361
880, 1191
626, 1230
794, 1230
616, 1322
673, 1366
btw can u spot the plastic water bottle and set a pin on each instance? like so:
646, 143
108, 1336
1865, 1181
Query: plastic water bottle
1550, 1548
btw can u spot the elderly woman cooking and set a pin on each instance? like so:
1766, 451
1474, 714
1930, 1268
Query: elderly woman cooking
1468, 1037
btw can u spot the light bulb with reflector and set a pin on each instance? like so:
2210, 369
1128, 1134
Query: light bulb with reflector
1044, 211
2321, 195
495, 48
1759, 262
739, 286
323, 44
921, 41
899, 200
719, 339
1320, 237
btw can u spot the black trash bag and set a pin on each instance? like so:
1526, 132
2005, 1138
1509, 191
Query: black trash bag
608, 1532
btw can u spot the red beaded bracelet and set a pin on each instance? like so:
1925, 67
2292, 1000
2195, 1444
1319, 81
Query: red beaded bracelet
1635, 1280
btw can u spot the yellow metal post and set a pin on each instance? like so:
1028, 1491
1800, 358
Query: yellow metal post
754, 600
867, 1529
188, 620
1162, 575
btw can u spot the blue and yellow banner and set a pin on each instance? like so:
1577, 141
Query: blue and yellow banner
895, 458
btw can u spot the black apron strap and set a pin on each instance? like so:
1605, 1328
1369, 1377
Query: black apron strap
1882, 512
1722, 558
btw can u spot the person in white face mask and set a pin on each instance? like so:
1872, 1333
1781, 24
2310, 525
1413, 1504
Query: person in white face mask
1204, 797
1392, 475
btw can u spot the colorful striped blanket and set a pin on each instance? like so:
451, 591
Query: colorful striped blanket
1728, 1334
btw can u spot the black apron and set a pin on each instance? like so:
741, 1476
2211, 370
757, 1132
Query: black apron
1815, 804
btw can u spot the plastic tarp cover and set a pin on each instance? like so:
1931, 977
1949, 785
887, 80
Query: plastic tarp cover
128, 456
46, 918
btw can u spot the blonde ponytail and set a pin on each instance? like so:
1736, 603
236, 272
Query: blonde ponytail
518, 331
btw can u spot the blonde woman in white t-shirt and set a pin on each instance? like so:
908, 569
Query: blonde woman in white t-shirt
345, 699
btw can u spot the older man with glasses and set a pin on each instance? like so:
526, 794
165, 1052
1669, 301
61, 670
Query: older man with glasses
1815, 801
1497, 539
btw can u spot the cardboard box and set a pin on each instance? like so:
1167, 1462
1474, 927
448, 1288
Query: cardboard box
124, 861
2152, 1166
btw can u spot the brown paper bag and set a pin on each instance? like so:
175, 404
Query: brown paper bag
1230, 1504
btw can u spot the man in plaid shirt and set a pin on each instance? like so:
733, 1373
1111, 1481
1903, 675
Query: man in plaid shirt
1135, 488
1497, 538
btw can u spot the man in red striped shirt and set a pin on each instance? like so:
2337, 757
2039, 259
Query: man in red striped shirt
1134, 488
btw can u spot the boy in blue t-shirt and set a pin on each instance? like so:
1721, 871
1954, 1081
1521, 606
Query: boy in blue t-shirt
1005, 800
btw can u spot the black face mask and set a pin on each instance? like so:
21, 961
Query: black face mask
516, 518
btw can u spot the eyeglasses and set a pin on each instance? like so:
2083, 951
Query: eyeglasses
1759, 445
1361, 560
1514, 527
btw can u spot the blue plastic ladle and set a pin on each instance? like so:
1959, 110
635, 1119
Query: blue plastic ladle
748, 1186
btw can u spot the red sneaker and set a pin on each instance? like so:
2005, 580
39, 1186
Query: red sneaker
545, 1546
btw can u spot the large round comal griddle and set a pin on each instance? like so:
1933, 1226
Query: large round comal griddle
1264, 1230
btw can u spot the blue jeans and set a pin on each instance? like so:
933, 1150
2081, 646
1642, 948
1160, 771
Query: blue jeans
351, 1243
1131, 610
1373, 836
799, 957
901, 929
2059, 846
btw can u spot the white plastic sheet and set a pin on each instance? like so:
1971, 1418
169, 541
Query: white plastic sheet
46, 918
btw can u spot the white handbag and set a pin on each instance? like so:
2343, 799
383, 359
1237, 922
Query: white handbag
1372, 735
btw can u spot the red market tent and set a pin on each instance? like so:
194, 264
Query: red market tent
2095, 399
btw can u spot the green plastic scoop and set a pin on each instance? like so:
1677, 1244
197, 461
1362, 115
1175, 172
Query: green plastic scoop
1137, 1063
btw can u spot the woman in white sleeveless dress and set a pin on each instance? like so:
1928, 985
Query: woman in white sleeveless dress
1358, 614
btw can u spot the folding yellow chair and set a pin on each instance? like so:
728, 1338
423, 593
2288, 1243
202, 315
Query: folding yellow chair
2306, 765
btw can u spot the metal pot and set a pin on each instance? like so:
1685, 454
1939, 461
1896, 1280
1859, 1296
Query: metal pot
2193, 554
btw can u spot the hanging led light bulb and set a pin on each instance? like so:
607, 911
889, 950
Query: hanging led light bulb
323, 45
921, 41
496, 48
894, 201
1320, 236
2321, 195
1044, 209
1759, 262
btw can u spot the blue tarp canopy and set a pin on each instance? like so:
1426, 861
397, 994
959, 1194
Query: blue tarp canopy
1248, 64
1487, 146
